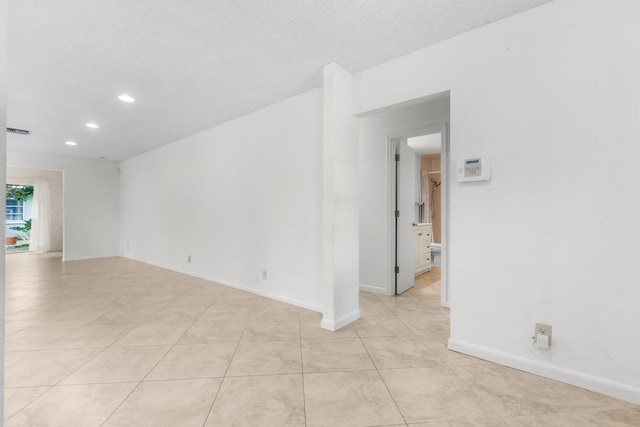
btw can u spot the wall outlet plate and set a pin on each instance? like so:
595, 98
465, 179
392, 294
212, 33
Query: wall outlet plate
543, 329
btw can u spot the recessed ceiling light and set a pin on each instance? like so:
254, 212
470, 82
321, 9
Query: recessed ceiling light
126, 98
70, 143
92, 125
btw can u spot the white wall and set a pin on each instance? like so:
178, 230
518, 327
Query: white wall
90, 201
551, 237
239, 198
374, 131
27, 176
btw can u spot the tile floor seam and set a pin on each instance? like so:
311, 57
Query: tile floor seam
121, 403
80, 367
28, 404
383, 382
165, 355
225, 372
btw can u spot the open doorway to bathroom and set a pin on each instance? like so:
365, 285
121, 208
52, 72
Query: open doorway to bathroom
428, 231
34, 210
421, 188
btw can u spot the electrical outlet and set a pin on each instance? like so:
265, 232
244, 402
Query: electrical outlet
189, 259
542, 329
264, 274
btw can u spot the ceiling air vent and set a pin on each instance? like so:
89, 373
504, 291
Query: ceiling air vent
19, 131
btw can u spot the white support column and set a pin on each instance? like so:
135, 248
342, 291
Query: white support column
341, 275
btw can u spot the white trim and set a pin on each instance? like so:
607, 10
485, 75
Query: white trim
334, 325
80, 258
568, 376
246, 288
374, 289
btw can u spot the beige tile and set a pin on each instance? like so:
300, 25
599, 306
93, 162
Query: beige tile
429, 324
438, 344
151, 333
479, 422
47, 367
11, 357
567, 396
227, 312
345, 354
73, 406
373, 307
178, 313
129, 314
433, 394
310, 328
208, 332
17, 398
265, 401
119, 364
622, 417
349, 399
555, 420
405, 306
194, 361
271, 309
401, 352
507, 391
93, 336
235, 296
36, 338
76, 316
265, 358
264, 329
183, 403
29, 317
381, 327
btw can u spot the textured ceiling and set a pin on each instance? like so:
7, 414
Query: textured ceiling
192, 64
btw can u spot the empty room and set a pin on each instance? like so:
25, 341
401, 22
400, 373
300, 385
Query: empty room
320, 213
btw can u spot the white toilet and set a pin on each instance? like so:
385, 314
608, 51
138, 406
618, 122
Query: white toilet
436, 254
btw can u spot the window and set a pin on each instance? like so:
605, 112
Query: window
15, 210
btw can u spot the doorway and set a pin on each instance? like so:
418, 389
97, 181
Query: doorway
34, 210
419, 202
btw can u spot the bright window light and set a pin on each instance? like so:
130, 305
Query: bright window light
70, 143
92, 125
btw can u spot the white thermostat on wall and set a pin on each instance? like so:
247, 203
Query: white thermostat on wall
474, 169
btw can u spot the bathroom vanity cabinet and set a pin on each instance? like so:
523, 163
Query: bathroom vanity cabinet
424, 237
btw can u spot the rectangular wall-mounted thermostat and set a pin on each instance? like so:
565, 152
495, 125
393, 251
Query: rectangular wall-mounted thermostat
474, 169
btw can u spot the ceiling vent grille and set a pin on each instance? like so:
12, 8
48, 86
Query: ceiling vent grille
19, 131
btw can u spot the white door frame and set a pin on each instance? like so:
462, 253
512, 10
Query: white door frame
443, 129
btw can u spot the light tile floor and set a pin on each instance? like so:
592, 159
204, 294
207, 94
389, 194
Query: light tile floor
113, 342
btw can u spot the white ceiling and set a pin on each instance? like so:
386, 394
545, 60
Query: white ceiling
193, 64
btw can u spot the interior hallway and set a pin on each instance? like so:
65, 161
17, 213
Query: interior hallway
115, 342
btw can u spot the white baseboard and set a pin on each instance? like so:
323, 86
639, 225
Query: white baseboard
373, 289
86, 258
334, 325
241, 287
578, 379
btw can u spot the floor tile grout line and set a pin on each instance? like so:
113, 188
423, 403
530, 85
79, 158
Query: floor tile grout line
96, 355
121, 403
383, 382
29, 404
226, 371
